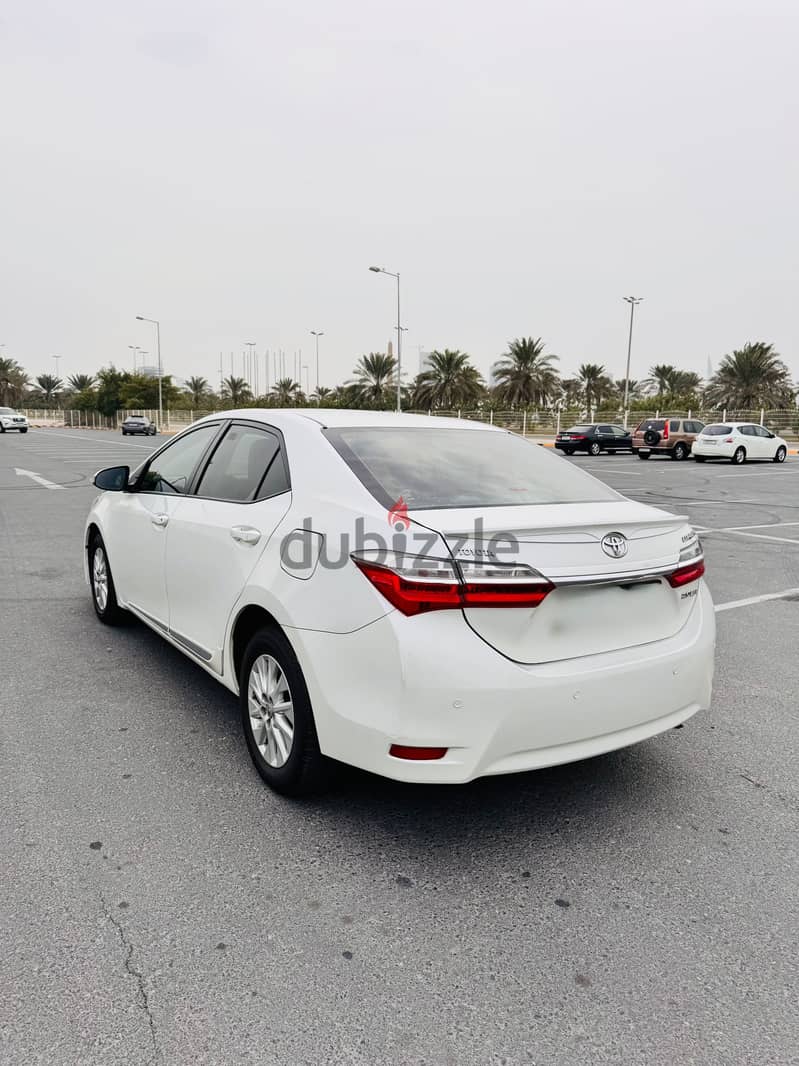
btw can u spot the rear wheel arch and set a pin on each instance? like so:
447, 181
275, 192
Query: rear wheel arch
248, 622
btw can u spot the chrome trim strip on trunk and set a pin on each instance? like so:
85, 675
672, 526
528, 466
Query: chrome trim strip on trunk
629, 577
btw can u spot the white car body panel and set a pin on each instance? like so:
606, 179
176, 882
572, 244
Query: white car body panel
502, 689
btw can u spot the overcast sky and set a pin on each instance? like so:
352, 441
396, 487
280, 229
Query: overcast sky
234, 168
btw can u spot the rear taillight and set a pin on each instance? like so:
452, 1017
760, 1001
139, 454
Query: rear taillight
578, 436
729, 440
416, 585
665, 431
686, 574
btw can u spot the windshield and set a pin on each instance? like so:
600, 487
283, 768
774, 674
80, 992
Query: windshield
716, 431
6, 411
432, 468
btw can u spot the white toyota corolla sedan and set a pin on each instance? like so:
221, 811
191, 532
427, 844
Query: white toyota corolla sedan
739, 442
429, 599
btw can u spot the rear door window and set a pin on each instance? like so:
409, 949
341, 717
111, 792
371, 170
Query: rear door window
674, 425
247, 465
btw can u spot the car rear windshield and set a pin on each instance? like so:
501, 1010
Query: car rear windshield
579, 429
716, 431
136, 418
653, 423
432, 468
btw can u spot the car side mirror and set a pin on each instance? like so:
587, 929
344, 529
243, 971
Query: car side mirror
772, 436
112, 479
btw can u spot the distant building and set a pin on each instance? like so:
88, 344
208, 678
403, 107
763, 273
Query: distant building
148, 371
425, 361
492, 375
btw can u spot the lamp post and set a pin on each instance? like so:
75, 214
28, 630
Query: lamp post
157, 324
391, 274
249, 371
135, 349
56, 357
317, 334
632, 301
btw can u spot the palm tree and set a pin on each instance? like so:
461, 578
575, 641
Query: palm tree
524, 375
374, 373
49, 386
198, 391
634, 390
286, 392
662, 377
596, 384
13, 381
450, 381
752, 376
80, 382
236, 390
322, 393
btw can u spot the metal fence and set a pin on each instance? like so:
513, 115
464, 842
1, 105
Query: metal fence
529, 422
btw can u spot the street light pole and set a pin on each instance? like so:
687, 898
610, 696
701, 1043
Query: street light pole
317, 334
56, 357
157, 324
632, 301
391, 274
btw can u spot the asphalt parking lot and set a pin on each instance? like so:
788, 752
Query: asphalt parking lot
159, 905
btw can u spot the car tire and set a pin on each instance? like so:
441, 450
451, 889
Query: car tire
104, 596
644, 455
739, 456
2, 429
782, 452
699, 458
568, 451
124, 433
25, 430
679, 452
292, 765
594, 448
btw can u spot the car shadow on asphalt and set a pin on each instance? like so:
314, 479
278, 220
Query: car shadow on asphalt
598, 794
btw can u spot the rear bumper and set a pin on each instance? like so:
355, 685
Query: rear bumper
575, 446
440, 685
717, 451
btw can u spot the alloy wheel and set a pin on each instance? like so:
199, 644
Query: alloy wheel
271, 710
100, 579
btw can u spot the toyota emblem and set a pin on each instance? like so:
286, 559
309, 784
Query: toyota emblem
614, 545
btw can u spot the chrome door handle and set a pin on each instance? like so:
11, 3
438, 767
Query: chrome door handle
245, 534
160, 520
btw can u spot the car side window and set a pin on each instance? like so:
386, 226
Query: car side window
172, 469
606, 430
674, 425
247, 465
619, 431
761, 431
748, 431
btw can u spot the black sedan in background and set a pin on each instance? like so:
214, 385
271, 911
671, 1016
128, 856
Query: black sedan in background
594, 439
138, 424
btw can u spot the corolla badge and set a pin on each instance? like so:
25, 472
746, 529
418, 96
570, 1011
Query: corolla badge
615, 545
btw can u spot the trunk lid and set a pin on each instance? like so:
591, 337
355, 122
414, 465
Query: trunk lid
601, 602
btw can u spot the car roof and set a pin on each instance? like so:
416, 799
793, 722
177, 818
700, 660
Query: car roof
340, 418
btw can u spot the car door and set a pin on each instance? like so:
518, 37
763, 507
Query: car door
766, 444
605, 436
622, 438
136, 527
751, 441
219, 532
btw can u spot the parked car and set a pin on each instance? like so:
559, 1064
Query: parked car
666, 436
11, 419
739, 442
138, 424
415, 596
594, 439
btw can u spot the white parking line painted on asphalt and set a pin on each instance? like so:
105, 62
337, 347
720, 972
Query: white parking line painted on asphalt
102, 441
779, 470
762, 525
787, 594
37, 478
760, 536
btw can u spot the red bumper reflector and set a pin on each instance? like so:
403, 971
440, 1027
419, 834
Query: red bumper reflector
402, 751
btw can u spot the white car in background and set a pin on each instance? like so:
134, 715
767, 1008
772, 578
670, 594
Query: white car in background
426, 598
11, 419
739, 442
